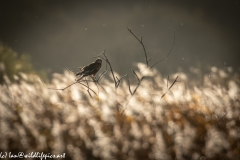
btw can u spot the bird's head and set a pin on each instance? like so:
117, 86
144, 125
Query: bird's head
98, 60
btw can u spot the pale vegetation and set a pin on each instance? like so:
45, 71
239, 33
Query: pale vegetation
194, 120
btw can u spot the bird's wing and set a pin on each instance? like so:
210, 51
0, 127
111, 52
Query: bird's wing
84, 68
89, 69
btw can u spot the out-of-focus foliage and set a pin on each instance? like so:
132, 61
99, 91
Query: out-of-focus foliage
11, 64
190, 122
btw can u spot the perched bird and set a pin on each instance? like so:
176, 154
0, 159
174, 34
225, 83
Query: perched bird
90, 70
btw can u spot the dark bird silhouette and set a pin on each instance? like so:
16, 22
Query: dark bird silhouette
90, 70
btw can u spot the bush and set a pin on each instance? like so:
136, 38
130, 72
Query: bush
190, 122
11, 64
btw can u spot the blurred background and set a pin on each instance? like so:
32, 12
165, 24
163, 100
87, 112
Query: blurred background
197, 118
67, 34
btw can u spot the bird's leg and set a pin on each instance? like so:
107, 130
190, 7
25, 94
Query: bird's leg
94, 78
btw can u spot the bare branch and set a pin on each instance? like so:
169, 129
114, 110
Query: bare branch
64, 87
135, 75
123, 77
170, 86
94, 81
163, 94
116, 80
167, 80
141, 42
222, 117
88, 88
173, 83
106, 59
129, 87
119, 80
102, 74
147, 62
139, 82
167, 54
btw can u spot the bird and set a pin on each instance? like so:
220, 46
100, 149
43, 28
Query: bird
89, 70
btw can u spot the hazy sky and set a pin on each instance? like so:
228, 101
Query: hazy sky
60, 34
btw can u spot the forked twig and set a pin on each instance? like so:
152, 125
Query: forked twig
96, 81
147, 62
88, 88
145, 52
108, 62
62, 89
139, 82
119, 80
141, 42
129, 88
115, 78
170, 87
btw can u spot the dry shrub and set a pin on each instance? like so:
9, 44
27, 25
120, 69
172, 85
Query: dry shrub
190, 122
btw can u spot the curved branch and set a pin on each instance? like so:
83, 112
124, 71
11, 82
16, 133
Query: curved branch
141, 42
167, 54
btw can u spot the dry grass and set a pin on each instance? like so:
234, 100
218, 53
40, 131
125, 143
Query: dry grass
195, 120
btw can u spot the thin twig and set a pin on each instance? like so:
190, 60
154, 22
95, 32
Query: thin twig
102, 74
93, 81
167, 54
116, 80
64, 87
170, 87
141, 42
147, 62
106, 59
167, 80
173, 83
139, 82
96, 81
222, 117
119, 80
135, 75
129, 88
88, 88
